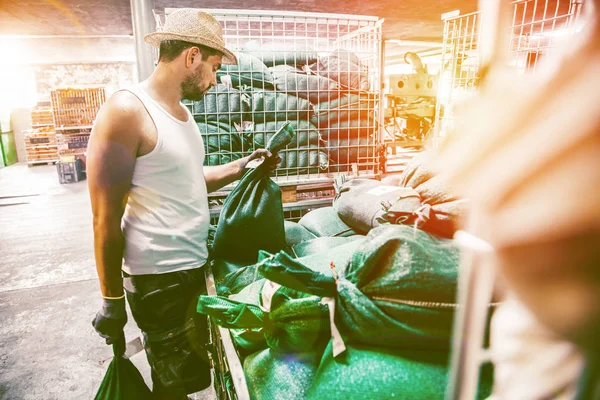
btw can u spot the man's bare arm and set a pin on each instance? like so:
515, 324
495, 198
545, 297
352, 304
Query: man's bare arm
111, 159
221, 175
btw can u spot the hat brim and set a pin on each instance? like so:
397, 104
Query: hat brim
154, 39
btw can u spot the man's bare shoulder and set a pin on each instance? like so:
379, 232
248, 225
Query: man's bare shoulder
121, 119
123, 106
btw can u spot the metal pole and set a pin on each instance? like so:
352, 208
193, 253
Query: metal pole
143, 23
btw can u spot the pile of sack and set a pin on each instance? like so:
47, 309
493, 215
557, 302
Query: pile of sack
326, 98
337, 307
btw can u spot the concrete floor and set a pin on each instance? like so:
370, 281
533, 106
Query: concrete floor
49, 291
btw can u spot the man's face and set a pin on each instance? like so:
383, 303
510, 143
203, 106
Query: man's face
202, 77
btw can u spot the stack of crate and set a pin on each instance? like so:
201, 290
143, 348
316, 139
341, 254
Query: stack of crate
74, 112
40, 142
41, 116
40, 145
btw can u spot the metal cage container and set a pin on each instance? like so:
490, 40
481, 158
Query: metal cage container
535, 26
322, 72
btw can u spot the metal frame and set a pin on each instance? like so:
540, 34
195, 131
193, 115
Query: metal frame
361, 35
224, 356
534, 25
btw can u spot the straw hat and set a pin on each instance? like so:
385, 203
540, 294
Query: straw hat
193, 26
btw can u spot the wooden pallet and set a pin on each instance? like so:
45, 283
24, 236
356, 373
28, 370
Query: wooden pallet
41, 162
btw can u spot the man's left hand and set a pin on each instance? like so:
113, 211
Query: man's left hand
271, 161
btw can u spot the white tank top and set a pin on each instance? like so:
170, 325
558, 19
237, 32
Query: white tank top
166, 219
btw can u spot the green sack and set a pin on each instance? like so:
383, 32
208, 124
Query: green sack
251, 218
250, 339
279, 55
314, 88
275, 375
349, 151
379, 373
218, 136
296, 321
347, 108
221, 104
122, 380
222, 157
249, 71
344, 67
398, 291
303, 160
231, 278
363, 203
323, 245
305, 133
277, 106
446, 210
296, 233
324, 222
364, 128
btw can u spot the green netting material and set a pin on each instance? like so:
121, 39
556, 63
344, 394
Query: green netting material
274, 375
399, 289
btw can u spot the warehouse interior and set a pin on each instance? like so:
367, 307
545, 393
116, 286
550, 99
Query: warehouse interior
424, 168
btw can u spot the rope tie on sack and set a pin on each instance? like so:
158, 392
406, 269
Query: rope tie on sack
338, 343
423, 214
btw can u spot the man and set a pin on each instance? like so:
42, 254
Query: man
148, 190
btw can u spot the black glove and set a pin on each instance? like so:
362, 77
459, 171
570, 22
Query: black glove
111, 319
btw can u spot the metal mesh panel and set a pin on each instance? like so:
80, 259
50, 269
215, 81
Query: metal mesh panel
321, 71
536, 24
460, 65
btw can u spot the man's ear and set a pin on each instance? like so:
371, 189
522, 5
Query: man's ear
192, 55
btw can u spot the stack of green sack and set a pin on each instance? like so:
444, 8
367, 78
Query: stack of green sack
256, 111
394, 307
348, 125
394, 293
279, 331
281, 54
327, 97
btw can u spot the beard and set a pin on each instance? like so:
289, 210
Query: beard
190, 87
